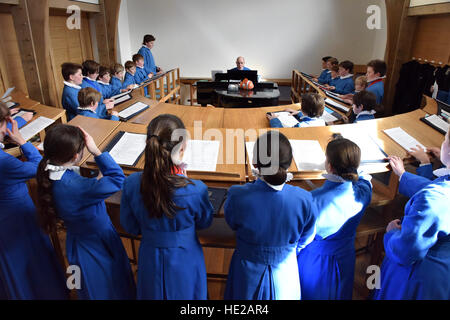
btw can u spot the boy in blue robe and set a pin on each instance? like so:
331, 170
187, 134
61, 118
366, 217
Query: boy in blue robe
166, 208
73, 78
313, 106
376, 71
90, 72
104, 79
364, 104
327, 76
272, 220
118, 73
29, 269
145, 51
140, 75
89, 99
326, 266
92, 242
344, 84
324, 74
129, 80
417, 261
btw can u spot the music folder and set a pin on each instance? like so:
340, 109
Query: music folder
217, 197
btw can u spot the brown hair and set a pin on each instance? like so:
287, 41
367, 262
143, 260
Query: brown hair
68, 69
279, 162
129, 65
313, 105
62, 142
87, 96
344, 157
137, 57
347, 65
103, 71
378, 66
334, 68
158, 182
365, 98
362, 80
148, 38
333, 61
117, 68
90, 67
4, 112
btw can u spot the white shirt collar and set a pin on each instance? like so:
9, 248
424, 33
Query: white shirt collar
85, 109
347, 76
383, 77
365, 112
56, 172
139, 67
329, 71
289, 177
441, 172
333, 177
100, 81
2, 146
72, 85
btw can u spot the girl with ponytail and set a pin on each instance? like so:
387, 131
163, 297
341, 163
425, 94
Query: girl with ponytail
327, 265
166, 208
28, 265
92, 242
271, 219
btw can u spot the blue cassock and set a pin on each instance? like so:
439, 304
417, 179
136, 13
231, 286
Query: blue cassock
101, 109
92, 242
377, 87
324, 77
116, 84
140, 76
28, 265
363, 117
333, 81
417, 261
326, 266
149, 62
344, 86
70, 101
92, 114
129, 79
171, 263
108, 90
269, 226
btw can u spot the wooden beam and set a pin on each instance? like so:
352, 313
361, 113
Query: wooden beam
112, 8
63, 4
440, 8
102, 35
31, 21
13, 2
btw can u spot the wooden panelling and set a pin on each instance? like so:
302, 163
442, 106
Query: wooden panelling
439, 8
11, 69
68, 46
432, 38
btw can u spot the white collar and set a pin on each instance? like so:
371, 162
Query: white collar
347, 76
85, 109
289, 177
365, 112
140, 67
2, 146
56, 172
333, 177
72, 85
376, 79
441, 172
106, 84
329, 71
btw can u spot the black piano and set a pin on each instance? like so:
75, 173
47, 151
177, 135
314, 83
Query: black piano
216, 92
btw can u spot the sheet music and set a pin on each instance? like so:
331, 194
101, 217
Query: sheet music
370, 147
122, 99
403, 138
328, 117
134, 108
34, 127
201, 155
117, 96
438, 122
308, 155
19, 114
286, 119
7, 93
336, 105
128, 149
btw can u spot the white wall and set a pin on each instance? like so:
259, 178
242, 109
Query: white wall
123, 42
274, 36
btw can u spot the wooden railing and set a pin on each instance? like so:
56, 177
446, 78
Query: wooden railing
165, 87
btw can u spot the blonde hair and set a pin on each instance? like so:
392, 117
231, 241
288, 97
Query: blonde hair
362, 81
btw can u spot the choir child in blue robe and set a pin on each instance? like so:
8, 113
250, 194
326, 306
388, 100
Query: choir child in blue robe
272, 220
145, 51
89, 99
324, 74
240, 64
360, 85
364, 104
417, 261
92, 242
104, 79
376, 71
129, 80
326, 266
330, 63
29, 268
344, 84
118, 73
166, 208
334, 78
90, 72
140, 76
73, 78
313, 106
